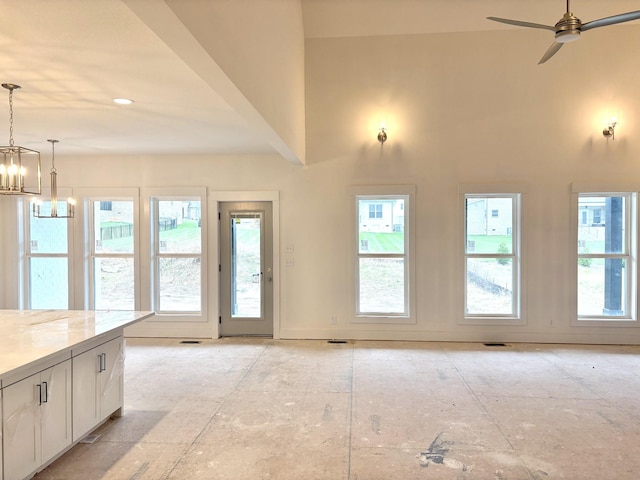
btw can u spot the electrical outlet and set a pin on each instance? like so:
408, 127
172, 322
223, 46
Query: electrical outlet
289, 262
334, 319
289, 248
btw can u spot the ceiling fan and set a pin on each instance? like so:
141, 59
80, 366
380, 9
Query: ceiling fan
569, 27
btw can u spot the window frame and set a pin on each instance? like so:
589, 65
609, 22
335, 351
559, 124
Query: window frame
385, 192
26, 211
517, 192
631, 256
84, 237
149, 248
157, 255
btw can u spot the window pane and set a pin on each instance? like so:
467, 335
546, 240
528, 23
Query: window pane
381, 225
179, 225
246, 277
114, 283
49, 283
602, 287
180, 284
113, 226
489, 225
47, 235
489, 286
382, 285
604, 228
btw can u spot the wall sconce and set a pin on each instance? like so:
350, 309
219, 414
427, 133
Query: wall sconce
382, 135
610, 129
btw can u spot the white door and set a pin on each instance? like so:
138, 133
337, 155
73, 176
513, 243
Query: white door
110, 378
246, 268
55, 409
86, 409
21, 428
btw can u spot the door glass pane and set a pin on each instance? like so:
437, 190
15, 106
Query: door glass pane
47, 235
381, 225
179, 284
602, 287
246, 278
604, 229
489, 225
489, 286
49, 283
113, 226
381, 282
114, 284
179, 225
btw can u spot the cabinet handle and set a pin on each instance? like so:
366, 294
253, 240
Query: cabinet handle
46, 392
39, 394
102, 362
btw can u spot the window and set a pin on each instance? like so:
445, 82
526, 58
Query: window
383, 253
47, 260
112, 247
177, 254
606, 257
375, 210
492, 255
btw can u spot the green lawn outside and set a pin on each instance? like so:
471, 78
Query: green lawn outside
382, 242
489, 243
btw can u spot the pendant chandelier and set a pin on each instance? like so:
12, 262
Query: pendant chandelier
14, 160
37, 204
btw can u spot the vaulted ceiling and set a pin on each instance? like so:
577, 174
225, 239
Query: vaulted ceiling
72, 57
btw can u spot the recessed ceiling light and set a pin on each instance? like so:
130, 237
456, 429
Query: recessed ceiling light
123, 101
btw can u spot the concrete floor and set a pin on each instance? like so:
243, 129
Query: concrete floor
264, 409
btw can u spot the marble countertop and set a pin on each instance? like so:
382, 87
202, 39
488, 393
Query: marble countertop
27, 336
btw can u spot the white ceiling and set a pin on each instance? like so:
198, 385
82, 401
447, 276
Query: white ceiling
72, 57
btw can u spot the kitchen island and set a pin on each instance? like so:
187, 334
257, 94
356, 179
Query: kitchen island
61, 376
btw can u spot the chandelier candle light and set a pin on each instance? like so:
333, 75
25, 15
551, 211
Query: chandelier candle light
37, 204
12, 159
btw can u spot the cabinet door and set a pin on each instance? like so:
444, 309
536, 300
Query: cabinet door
111, 378
21, 428
1, 410
86, 409
55, 410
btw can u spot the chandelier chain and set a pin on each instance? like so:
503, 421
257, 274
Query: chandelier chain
53, 155
11, 117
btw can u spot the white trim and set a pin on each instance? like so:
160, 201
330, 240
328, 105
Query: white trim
517, 192
83, 235
217, 197
26, 212
631, 219
373, 192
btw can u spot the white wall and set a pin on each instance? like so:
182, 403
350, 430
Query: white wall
460, 108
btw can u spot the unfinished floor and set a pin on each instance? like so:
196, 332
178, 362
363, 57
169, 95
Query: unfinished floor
312, 410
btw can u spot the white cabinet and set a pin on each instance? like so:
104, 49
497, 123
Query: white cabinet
1, 463
36, 420
97, 385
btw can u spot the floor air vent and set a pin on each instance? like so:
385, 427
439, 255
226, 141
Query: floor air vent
190, 342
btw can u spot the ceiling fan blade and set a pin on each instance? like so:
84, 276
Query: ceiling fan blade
519, 23
551, 51
603, 22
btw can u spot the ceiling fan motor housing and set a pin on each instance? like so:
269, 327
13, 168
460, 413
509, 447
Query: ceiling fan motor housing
568, 28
